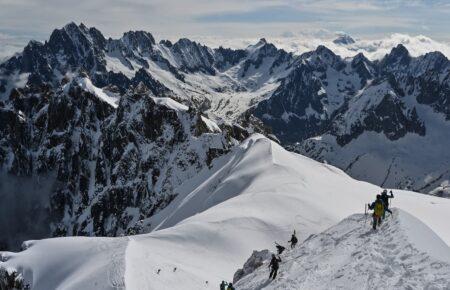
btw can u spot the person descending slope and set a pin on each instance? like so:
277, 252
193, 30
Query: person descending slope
378, 210
274, 265
231, 287
280, 248
293, 240
385, 198
223, 285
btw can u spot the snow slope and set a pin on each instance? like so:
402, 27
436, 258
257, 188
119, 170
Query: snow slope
256, 194
403, 254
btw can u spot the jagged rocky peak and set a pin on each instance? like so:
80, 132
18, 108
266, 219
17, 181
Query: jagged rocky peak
140, 40
435, 60
399, 55
323, 56
262, 41
166, 43
344, 39
266, 48
261, 45
360, 58
325, 52
186, 43
364, 67
225, 57
194, 57
76, 37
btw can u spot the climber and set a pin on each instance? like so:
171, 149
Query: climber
159, 271
274, 265
231, 287
280, 248
223, 285
385, 198
293, 240
378, 210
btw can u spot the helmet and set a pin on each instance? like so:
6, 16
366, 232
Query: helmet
385, 191
378, 196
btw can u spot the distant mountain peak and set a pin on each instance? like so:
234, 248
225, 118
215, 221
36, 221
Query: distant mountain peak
262, 41
344, 39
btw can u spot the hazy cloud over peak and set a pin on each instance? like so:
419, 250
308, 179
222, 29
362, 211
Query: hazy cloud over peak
24, 19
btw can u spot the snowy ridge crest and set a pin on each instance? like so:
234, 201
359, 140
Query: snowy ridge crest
349, 256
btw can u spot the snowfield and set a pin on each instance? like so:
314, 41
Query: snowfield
255, 195
402, 254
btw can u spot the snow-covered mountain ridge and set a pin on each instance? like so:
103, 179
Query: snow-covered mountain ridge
346, 256
249, 198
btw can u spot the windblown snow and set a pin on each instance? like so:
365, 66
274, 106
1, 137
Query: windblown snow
255, 195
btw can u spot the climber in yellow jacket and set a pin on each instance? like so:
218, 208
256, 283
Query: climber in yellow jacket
378, 211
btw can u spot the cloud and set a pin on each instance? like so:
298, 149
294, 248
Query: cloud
285, 14
301, 42
11, 44
227, 18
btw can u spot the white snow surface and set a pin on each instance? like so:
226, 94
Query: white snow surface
170, 103
255, 195
402, 254
111, 99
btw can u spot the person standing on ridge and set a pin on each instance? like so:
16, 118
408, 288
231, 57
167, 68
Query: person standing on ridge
378, 210
223, 285
231, 287
274, 265
293, 240
385, 198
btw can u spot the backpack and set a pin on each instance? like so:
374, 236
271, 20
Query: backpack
379, 208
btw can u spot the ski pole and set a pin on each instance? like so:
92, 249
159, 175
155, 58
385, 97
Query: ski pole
365, 214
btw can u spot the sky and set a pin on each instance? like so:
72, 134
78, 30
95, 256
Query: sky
21, 20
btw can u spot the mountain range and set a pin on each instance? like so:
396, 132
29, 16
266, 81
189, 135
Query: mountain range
107, 130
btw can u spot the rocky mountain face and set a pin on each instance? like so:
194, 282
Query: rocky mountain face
376, 120
112, 166
345, 98
118, 124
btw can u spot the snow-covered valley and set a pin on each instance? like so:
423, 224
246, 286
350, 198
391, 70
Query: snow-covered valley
254, 195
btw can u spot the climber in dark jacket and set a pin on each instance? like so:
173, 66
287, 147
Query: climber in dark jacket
385, 198
378, 211
231, 287
293, 240
274, 265
223, 285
